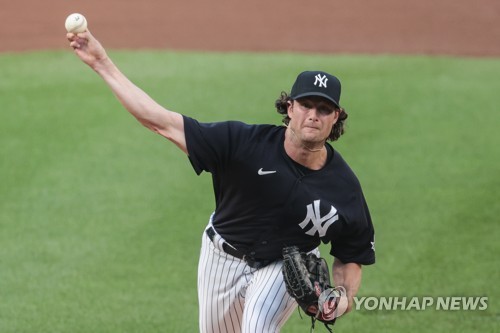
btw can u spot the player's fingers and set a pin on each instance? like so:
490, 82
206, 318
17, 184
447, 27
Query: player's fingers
76, 40
75, 45
70, 36
84, 35
78, 36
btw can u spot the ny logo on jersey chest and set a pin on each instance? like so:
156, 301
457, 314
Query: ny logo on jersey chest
318, 223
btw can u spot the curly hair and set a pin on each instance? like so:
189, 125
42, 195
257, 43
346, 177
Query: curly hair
281, 105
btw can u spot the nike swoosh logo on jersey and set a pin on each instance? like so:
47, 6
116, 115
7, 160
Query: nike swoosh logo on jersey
262, 172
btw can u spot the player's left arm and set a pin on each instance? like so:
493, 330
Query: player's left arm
347, 275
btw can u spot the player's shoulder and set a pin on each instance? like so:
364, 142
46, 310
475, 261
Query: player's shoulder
343, 170
266, 131
232, 125
234, 130
254, 132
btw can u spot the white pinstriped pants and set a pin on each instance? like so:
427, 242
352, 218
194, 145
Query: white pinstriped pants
236, 298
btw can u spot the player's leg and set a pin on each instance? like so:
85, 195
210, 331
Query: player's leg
222, 281
268, 305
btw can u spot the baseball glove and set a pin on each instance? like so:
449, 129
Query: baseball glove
307, 280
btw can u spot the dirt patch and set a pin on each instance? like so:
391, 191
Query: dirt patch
447, 27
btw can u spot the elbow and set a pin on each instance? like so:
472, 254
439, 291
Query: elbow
155, 129
151, 126
156, 125
163, 131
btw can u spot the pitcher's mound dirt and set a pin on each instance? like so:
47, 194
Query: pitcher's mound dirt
456, 27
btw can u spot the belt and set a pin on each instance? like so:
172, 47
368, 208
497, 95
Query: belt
225, 246
236, 253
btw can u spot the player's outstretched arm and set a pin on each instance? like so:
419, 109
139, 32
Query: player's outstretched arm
152, 115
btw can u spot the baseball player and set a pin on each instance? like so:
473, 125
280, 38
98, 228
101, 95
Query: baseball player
274, 186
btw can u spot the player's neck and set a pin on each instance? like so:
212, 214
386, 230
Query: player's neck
311, 156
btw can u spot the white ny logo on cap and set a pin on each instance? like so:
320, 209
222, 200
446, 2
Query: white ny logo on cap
321, 80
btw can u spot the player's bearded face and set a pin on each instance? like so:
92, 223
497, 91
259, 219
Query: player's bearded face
312, 119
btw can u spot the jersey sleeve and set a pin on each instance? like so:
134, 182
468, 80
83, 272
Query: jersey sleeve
356, 242
210, 145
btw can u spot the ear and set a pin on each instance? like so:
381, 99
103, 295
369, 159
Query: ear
290, 109
337, 115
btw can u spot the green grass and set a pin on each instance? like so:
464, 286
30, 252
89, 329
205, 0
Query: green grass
100, 220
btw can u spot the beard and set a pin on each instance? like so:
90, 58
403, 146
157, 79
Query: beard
311, 142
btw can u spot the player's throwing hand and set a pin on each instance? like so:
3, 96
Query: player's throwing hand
88, 49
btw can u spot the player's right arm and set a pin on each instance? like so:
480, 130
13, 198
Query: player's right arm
147, 111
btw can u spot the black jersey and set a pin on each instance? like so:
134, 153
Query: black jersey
265, 201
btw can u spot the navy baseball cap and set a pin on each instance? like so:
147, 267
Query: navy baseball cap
317, 83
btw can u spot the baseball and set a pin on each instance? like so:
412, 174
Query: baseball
76, 23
